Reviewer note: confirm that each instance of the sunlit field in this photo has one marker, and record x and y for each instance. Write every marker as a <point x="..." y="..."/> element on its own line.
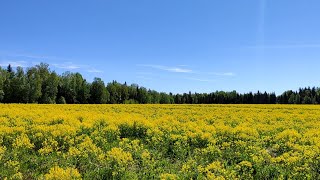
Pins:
<point x="159" y="142"/>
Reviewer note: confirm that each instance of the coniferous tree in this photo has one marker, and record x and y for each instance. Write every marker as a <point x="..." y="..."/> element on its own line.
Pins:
<point x="19" y="87"/>
<point x="2" y="80"/>
<point x="7" y="88"/>
<point x="9" y="69"/>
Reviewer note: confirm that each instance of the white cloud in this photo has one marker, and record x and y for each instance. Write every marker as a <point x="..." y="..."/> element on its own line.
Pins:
<point x="67" y="65"/>
<point x="178" y="70"/>
<point x="93" y="70"/>
<point x="72" y="66"/>
<point x="32" y="60"/>
<point x="38" y="57"/>
<point x="224" y="74"/>
<point x="14" y="63"/>
<point x="182" y="69"/>
<point x="169" y="69"/>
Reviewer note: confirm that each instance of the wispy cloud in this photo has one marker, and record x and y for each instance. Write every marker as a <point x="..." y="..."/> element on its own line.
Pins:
<point x="27" y="60"/>
<point x="177" y="69"/>
<point x="223" y="74"/>
<point x="14" y="63"/>
<point x="66" y="65"/>
<point x="183" y="65"/>
<point x="185" y="69"/>
<point x="71" y="66"/>
<point x="93" y="70"/>
<point x="32" y="56"/>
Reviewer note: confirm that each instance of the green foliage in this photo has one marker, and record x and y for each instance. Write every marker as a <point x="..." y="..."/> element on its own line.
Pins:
<point x="61" y="100"/>
<point x="41" y="85"/>
<point x="1" y="95"/>
<point x="98" y="91"/>
<point x="131" y="101"/>
<point x="2" y="79"/>
<point x="19" y="87"/>
<point x="34" y="84"/>
<point x="307" y="100"/>
<point x="165" y="142"/>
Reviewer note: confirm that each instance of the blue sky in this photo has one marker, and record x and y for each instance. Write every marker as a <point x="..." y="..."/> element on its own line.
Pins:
<point x="169" y="45"/>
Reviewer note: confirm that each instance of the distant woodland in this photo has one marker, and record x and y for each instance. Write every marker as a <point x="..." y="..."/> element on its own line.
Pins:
<point x="39" y="84"/>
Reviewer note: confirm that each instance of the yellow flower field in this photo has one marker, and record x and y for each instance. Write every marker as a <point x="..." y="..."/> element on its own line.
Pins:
<point x="159" y="142"/>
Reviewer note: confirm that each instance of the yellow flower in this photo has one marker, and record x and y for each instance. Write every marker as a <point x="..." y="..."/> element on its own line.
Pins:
<point x="119" y="156"/>
<point x="73" y="151"/>
<point x="167" y="176"/>
<point x="23" y="141"/>
<point x="57" y="173"/>
<point x="246" y="164"/>
<point x="2" y="151"/>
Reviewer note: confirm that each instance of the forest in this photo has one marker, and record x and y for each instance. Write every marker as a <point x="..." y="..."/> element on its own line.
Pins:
<point x="38" y="84"/>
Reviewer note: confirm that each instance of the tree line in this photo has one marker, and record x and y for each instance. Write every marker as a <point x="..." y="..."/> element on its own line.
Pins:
<point x="38" y="84"/>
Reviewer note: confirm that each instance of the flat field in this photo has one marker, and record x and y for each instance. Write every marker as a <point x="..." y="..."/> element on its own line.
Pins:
<point x="159" y="142"/>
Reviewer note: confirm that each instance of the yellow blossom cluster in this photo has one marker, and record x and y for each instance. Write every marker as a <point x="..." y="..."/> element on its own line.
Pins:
<point x="57" y="173"/>
<point x="159" y="141"/>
